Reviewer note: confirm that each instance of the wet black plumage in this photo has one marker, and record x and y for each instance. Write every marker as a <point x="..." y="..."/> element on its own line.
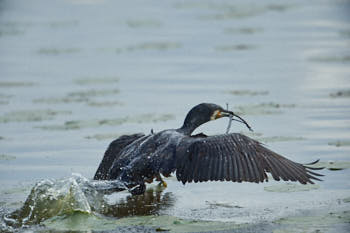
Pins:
<point x="138" y="158"/>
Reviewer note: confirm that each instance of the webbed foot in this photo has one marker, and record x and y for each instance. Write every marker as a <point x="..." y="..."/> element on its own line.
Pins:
<point x="138" y="190"/>
<point x="162" y="182"/>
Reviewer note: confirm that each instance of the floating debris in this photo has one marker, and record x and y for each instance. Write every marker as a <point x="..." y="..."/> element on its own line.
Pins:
<point x="333" y="165"/>
<point x="226" y="48"/>
<point x="103" y="103"/>
<point x="96" y="80"/>
<point x="7" y="157"/>
<point x="63" y="24"/>
<point x="93" y="93"/>
<point x="67" y="99"/>
<point x="8" y="84"/>
<point x="58" y="51"/>
<point x="339" y="143"/>
<point x="322" y="223"/>
<point x="280" y="139"/>
<point x="79" y="124"/>
<point x="156" y="46"/>
<point x="230" y="11"/>
<point x="103" y="136"/>
<point x="344" y="93"/>
<point x="247" y="30"/>
<point x="31" y="115"/>
<point x="335" y="58"/>
<point x="289" y="187"/>
<point x="11" y="32"/>
<point x="82" y="96"/>
<point x="247" y="92"/>
<point x="263" y="108"/>
<point x="146" y="23"/>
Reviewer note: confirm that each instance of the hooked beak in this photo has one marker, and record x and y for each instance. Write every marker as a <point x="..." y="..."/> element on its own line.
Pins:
<point x="226" y="113"/>
<point x="230" y="114"/>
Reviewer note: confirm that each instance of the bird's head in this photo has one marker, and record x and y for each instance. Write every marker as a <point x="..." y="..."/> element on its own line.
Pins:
<point x="205" y="112"/>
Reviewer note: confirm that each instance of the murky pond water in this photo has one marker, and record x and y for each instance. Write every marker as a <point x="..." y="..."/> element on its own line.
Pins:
<point x="76" y="74"/>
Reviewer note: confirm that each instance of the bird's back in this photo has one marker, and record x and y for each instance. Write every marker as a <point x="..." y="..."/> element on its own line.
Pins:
<point x="147" y="157"/>
<point x="113" y="153"/>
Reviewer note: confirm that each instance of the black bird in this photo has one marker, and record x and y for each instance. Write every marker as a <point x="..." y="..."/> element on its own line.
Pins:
<point x="138" y="158"/>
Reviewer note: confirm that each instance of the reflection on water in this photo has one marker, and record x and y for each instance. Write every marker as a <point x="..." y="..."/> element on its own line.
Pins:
<point x="150" y="203"/>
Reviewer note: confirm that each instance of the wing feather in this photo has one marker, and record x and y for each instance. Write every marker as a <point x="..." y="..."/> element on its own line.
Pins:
<point x="236" y="157"/>
<point x="193" y="168"/>
<point x="229" y="175"/>
<point x="222" y="167"/>
<point x="258" y="176"/>
<point x="199" y="165"/>
<point x="235" y="167"/>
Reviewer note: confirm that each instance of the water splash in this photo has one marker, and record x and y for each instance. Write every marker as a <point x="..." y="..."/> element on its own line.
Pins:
<point x="53" y="202"/>
<point x="49" y="198"/>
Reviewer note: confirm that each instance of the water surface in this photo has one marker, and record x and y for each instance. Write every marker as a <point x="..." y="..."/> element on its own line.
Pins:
<point x="76" y="74"/>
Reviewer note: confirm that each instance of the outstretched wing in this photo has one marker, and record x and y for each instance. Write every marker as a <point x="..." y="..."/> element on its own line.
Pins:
<point x="112" y="153"/>
<point x="236" y="157"/>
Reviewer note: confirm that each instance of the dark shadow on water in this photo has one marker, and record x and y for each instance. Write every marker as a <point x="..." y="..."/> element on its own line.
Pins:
<point x="150" y="203"/>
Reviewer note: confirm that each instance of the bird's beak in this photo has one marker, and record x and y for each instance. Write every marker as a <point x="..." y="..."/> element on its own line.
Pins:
<point x="226" y="113"/>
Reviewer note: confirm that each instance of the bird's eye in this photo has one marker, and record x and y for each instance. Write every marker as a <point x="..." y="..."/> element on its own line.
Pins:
<point x="215" y="115"/>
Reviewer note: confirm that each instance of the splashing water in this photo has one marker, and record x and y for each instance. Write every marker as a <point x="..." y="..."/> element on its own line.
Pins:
<point x="49" y="198"/>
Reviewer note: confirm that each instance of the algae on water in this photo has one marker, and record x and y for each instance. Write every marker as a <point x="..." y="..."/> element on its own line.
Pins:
<point x="96" y="80"/>
<point x="103" y="103"/>
<point x="335" y="58"/>
<point x="333" y="165"/>
<point x="339" y="143"/>
<point x="103" y="136"/>
<point x="93" y="93"/>
<point x="243" y="30"/>
<point x="7" y="157"/>
<point x="280" y="139"/>
<point x="31" y="115"/>
<point x="318" y="223"/>
<point x="152" y="46"/>
<point x="58" y="51"/>
<point x="8" y="84"/>
<point x="79" y="124"/>
<point x="263" y="108"/>
<point x="145" y="23"/>
<point x="289" y="187"/>
<point x="83" y="96"/>
<point x="248" y="92"/>
<point x="340" y="94"/>
<point x="238" y="47"/>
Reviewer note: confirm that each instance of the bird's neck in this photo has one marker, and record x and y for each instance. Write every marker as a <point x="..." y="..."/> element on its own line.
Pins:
<point x="192" y="121"/>
<point x="188" y="127"/>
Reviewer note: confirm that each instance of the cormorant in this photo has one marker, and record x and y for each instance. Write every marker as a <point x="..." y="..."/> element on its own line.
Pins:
<point x="138" y="158"/>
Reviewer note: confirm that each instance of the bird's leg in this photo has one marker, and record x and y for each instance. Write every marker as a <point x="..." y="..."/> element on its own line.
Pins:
<point x="138" y="190"/>
<point x="162" y="182"/>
